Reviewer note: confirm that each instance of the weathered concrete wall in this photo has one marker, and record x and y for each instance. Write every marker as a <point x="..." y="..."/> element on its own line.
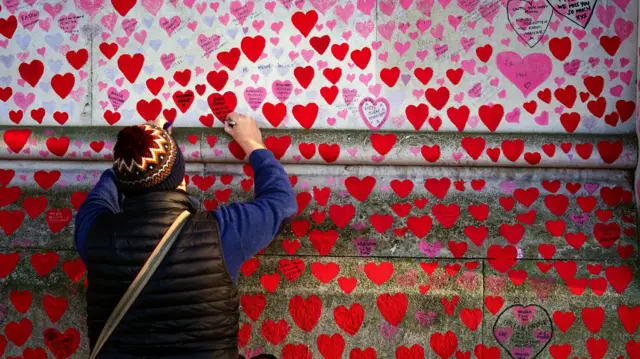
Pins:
<point x="464" y="190"/>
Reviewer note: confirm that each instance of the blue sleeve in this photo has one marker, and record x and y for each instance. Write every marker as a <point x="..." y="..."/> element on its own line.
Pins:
<point x="246" y="228"/>
<point x="104" y="197"/>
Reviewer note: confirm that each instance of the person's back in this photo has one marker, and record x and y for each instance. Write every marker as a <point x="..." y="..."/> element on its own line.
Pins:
<point x="189" y="309"/>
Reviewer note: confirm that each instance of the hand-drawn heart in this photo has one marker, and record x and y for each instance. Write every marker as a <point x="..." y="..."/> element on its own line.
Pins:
<point x="577" y="11"/>
<point x="528" y="72"/>
<point x="374" y="113"/>
<point x="523" y="331"/>
<point x="530" y="19"/>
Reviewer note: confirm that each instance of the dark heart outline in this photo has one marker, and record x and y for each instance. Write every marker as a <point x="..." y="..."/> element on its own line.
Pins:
<point x="593" y="10"/>
<point x="493" y="330"/>
<point x="545" y="29"/>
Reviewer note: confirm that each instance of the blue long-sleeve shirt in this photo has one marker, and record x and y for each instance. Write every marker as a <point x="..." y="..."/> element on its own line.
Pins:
<point x="245" y="228"/>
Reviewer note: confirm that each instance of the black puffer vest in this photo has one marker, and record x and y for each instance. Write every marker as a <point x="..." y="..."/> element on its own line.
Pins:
<point x="189" y="308"/>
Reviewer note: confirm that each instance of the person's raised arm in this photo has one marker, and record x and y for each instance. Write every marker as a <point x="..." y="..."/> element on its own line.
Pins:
<point x="248" y="227"/>
<point x="104" y="197"/>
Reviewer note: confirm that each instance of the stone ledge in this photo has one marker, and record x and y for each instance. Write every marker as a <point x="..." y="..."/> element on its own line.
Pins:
<point x="344" y="148"/>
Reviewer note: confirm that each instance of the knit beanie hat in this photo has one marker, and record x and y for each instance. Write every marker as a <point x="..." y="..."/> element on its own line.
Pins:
<point x="146" y="158"/>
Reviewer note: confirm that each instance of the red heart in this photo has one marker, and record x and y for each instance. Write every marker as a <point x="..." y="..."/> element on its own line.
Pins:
<point x="21" y="300"/>
<point x="6" y="176"/>
<point x="300" y="351"/>
<point x="477" y="234"/>
<point x="229" y="58"/>
<point x="130" y="66"/>
<point x="560" y="351"/>
<point x="610" y="151"/>
<point x="340" y="51"/>
<point x="417" y="115"/>
<point x="8" y="26"/>
<point x="471" y="318"/>
<point x="222" y="105"/>
<point x="111" y="117"/>
<point x="274" y="113"/>
<point x="16" y="139"/>
<point x="329" y="153"/>
<point x="610" y="44"/>
<point x="438" y="187"/>
<point x="321" y="195"/>
<point x="597" y="348"/>
<point x="324" y="272"/>
<point x="570" y="122"/>
<point x="10" y="221"/>
<point x="108" y="49"/>
<point x="183" y="100"/>
<point x="323" y="242"/>
<point x="54" y="307"/>
<point x="444" y="345"/>
<point x="594" y="84"/>
<point x="379" y="273"/>
<point x="567" y="96"/>
<point x="8" y="263"/>
<point x="393" y="308"/>
<point x="182" y="77"/>
<point x="416" y="351"/>
<point x="526" y="196"/>
<point x="275" y="332"/>
<point x="566" y="269"/>
<point x="381" y="222"/>
<point x="360" y="189"/>
<point x="459" y="116"/>
<point x="291" y="269"/>
<point x="420" y="226"/>
<point x="305" y="22"/>
<point x="77" y="198"/>
<point x="253" y="305"/>
<point x="43" y="263"/>
<point x="502" y="258"/>
<point x="277" y="145"/>
<point x="320" y="44"/>
<point x="123" y="6"/>
<point x="58" y="146"/>
<point x="494" y="304"/>
<point x="341" y="215"/>
<point x="512" y="233"/>
<point x="454" y="75"/>
<point x="438" y="98"/>
<point x="304" y="75"/>
<point x="77" y="59"/>
<point x="447" y="215"/>
<point x="305" y="312"/>
<point x="347" y="284"/>
<point x="361" y="57"/>
<point x="8" y="195"/>
<point x="31" y="72"/>
<point x="619" y="277"/>
<point x="149" y="110"/>
<point x="390" y="76"/>
<point x="563" y="320"/>
<point x="357" y="353"/>
<point x="597" y="107"/>
<point x="57" y="219"/>
<point x="576" y="240"/>
<point x="474" y="146"/>
<point x="633" y="349"/>
<point x="331" y="347"/>
<point x="19" y="332"/>
<point x="560" y="47"/>
<point x="423" y="75"/>
<point x="383" y="143"/>
<point x="630" y="318"/>
<point x="305" y="115"/>
<point x="545" y="95"/>
<point x="252" y="47"/>
<point x="74" y="269"/>
<point x="625" y="109"/>
<point x="484" y="52"/>
<point x="512" y="149"/>
<point x="491" y="116"/>
<point x="606" y="234"/>
<point x="485" y="352"/>
<point x="349" y="319"/>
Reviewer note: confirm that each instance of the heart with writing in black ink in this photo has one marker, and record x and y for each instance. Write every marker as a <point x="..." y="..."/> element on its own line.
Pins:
<point x="523" y="331"/>
<point x="529" y="19"/>
<point x="577" y="11"/>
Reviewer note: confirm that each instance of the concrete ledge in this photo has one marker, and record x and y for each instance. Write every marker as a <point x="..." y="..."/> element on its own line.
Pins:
<point x="344" y="147"/>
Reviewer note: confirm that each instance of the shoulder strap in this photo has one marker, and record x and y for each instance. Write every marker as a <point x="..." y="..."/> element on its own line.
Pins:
<point x="140" y="281"/>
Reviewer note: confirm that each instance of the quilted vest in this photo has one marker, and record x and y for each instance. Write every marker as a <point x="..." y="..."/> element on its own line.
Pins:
<point x="189" y="308"/>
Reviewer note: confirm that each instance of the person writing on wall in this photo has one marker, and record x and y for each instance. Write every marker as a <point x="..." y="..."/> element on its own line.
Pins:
<point x="190" y="306"/>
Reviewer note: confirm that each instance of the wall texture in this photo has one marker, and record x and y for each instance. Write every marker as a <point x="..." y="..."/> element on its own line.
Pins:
<point x="464" y="169"/>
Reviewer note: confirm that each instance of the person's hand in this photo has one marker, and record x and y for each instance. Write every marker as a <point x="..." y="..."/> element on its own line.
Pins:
<point x="245" y="131"/>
